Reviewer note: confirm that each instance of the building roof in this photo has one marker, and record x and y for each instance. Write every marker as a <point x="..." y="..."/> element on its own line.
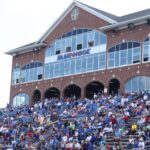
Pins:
<point x="134" y="15"/>
<point x="26" y="48"/>
<point x="113" y="20"/>
<point x="109" y="15"/>
<point x="121" y="18"/>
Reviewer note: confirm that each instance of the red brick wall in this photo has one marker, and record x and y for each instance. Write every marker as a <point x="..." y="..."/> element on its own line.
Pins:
<point x="85" y="20"/>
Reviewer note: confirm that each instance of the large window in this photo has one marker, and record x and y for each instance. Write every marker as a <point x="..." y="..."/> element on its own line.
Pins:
<point x="16" y="75"/>
<point x="20" y="99"/>
<point x="124" y="54"/>
<point x="138" y="83"/>
<point x="32" y="72"/>
<point x="146" y="50"/>
<point x="78" y="51"/>
<point x="77" y="65"/>
<point x="76" y="40"/>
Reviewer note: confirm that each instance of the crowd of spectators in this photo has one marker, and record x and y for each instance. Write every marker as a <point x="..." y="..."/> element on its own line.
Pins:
<point x="77" y="124"/>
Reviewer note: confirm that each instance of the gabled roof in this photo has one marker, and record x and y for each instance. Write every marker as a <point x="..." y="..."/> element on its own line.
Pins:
<point x="134" y="15"/>
<point x="26" y="48"/>
<point x="101" y="14"/>
<point x="112" y="16"/>
<point x="113" y="20"/>
<point x="135" y="18"/>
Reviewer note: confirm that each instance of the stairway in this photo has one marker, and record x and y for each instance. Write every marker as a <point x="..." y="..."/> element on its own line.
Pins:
<point x="123" y="141"/>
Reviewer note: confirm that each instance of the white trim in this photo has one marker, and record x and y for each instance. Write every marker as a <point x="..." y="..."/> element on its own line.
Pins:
<point x="25" y="49"/>
<point x="56" y="22"/>
<point x="71" y="6"/>
<point x="45" y="79"/>
<point x="136" y="20"/>
<point x="96" y="13"/>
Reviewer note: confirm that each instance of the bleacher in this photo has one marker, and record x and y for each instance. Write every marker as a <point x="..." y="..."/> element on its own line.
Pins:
<point x="102" y="122"/>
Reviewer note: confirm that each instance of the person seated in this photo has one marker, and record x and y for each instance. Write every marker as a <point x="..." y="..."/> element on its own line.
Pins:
<point x="108" y="129"/>
<point x="133" y="128"/>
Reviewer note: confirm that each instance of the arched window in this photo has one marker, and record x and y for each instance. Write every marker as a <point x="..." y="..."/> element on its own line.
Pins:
<point x="16" y="75"/>
<point x="20" y="99"/>
<point x="146" y="50"/>
<point x="76" y="40"/>
<point x="137" y="83"/>
<point x="77" y="51"/>
<point x="32" y="72"/>
<point x="124" y="54"/>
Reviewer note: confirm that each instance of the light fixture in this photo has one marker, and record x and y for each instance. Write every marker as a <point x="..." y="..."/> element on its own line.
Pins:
<point x="148" y="21"/>
<point x="115" y="29"/>
<point x="131" y="25"/>
<point x="15" y="54"/>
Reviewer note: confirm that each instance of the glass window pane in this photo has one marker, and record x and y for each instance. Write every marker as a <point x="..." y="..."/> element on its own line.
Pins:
<point x="97" y="38"/>
<point x="89" y="63"/>
<point x="78" y="65"/>
<point x="136" y="44"/>
<point x="20" y="99"/>
<point x="31" y="75"/>
<point x="135" y="84"/>
<point x="129" y="56"/>
<point x="68" y="42"/>
<point x="67" y="68"/>
<point x="85" y="40"/>
<point x="63" y="50"/>
<point x="111" y="59"/>
<point x="79" y="38"/>
<point x="136" y="55"/>
<point x="16" y="75"/>
<point x="95" y="67"/>
<point x="123" y="46"/>
<point x="35" y="76"/>
<point x="73" y="66"/>
<point x="83" y="64"/>
<point x="128" y="86"/>
<point x="103" y="39"/>
<point x="102" y="60"/>
<point x="123" y="57"/>
<point x="62" y="69"/>
<point x="27" y="75"/>
<point x="23" y="76"/>
<point x="148" y="83"/>
<point x="52" y="50"/>
<point x="73" y="43"/>
<point x="57" y="45"/>
<point x="142" y="83"/>
<point x="56" y="70"/>
<point x="46" y="71"/>
<point x="146" y="53"/>
<point x="90" y="37"/>
<point x="51" y="73"/>
<point x="47" y="52"/>
<point x="117" y="58"/>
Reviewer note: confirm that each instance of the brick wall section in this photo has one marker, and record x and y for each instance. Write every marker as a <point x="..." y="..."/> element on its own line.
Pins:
<point x="85" y="20"/>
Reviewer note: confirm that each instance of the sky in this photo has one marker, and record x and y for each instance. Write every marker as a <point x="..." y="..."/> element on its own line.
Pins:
<point x="24" y="21"/>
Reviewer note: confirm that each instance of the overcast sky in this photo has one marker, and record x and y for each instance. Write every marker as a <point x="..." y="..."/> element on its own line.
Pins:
<point x="24" y="21"/>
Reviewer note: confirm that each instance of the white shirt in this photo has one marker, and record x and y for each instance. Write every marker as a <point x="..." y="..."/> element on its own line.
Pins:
<point x="88" y="138"/>
<point x="145" y="97"/>
<point x="64" y="138"/>
<point x="77" y="145"/>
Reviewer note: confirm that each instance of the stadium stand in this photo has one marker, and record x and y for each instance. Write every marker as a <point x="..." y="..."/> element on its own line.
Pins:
<point x="103" y="123"/>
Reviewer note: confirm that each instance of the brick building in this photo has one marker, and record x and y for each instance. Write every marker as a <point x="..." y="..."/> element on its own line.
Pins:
<point x="85" y="51"/>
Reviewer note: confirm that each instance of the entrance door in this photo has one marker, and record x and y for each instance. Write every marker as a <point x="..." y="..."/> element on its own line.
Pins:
<point x="52" y="93"/>
<point x="114" y="86"/>
<point x="72" y="90"/>
<point x="93" y="87"/>
<point x="36" y="96"/>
